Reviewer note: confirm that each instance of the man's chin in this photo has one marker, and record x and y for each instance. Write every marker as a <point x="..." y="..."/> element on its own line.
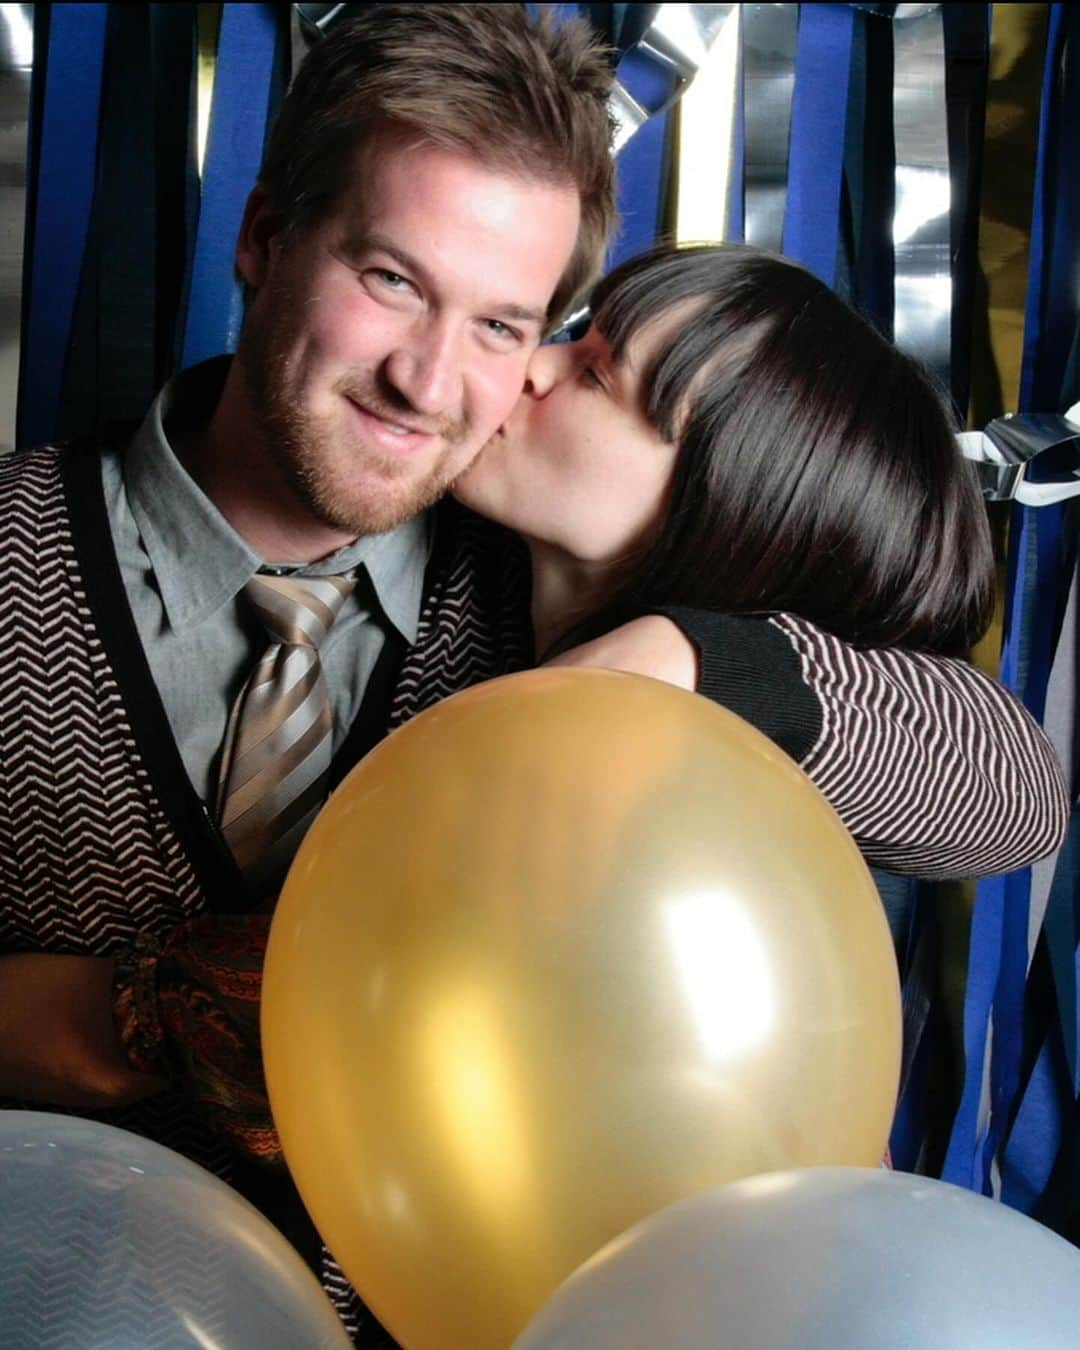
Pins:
<point x="380" y="510"/>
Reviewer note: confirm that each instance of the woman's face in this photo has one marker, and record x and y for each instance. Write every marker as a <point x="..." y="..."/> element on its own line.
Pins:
<point x="577" y="465"/>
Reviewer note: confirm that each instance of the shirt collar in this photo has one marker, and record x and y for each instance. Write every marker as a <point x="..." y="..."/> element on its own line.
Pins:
<point x="200" y="562"/>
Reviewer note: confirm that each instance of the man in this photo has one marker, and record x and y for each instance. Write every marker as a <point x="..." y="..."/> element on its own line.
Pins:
<point x="436" y="192"/>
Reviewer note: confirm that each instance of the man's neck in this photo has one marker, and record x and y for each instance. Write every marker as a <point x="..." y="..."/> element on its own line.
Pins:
<point x="231" y="464"/>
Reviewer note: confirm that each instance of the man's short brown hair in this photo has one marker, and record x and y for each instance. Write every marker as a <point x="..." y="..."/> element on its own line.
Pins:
<point x="522" y="97"/>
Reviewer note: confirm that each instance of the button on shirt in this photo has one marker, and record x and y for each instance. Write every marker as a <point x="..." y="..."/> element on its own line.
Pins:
<point x="184" y="568"/>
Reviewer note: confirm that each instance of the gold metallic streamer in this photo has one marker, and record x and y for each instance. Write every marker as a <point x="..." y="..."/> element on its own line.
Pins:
<point x="208" y="20"/>
<point x="1017" y="47"/>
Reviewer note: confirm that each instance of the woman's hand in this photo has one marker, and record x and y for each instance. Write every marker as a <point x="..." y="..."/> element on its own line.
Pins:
<point x="652" y="645"/>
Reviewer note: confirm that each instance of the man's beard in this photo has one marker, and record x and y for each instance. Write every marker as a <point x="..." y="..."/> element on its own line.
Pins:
<point x="302" y="446"/>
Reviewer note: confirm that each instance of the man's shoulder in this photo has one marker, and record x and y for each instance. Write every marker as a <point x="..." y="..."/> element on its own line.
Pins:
<point x="55" y="490"/>
<point x="34" y="469"/>
<point x="49" y="464"/>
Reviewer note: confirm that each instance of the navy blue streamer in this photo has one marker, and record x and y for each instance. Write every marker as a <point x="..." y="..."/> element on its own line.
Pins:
<point x="818" y="131"/>
<point x="247" y="51"/>
<point x="63" y="159"/>
<point x="643" y="167"/>
<point x="121" y="346"/>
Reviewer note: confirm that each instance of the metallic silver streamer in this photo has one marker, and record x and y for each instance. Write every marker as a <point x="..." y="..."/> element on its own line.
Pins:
<point x="1031" y="458"/>
<point x="769" y="38"/>
<point x="317" y="19"/>
<point x="681" y="35"/>
<point x="923" y="306"/>
<point x="898" y="11"/>
<point x="16" y="61"/>
<point x="627" y="114"/>
<point x="308" y="24"/>
<point x="679" y="38"/>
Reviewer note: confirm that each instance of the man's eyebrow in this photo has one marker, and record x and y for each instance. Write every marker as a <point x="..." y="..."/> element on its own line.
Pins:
<point x="365" y="243"/>
<point x="523" y="313"/>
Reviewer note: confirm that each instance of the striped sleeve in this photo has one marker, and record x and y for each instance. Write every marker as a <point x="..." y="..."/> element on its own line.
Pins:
<point x="935" y="768"/>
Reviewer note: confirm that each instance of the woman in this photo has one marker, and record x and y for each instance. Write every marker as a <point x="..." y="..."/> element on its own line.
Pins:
<point x="729" y="435"/>
<point x="730" y="439"/>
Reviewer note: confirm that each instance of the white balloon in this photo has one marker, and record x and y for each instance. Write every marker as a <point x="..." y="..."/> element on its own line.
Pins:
<point x="822" y="1258"/>
<point x="111" y="1242"/>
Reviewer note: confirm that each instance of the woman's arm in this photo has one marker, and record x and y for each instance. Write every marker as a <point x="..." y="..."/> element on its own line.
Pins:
<point x="935" y="768"/>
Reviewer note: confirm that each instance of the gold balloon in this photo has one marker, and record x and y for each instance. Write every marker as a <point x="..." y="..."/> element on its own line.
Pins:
<point x="566" y="948"/>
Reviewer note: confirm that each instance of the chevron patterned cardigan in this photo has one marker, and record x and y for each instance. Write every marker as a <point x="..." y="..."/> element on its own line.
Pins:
<point x="101" y="835"/>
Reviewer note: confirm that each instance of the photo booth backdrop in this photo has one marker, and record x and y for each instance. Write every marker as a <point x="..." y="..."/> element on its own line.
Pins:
<point x="922" y="159"/>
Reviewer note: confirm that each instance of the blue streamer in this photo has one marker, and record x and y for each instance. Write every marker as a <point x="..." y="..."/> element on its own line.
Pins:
<point x="964" y="1158"/>
<point x="64" y="169"/>
<point x="642" y="167"/>
<point x="238" y="116"/>
<point x="1039" y="1129"/>
<point x="1037" y="579"/>
<point x="1052" y="323"/>
<point x="1054" y="288"/>
<point x="737" y="216"/>
<point x="818" y="133"/>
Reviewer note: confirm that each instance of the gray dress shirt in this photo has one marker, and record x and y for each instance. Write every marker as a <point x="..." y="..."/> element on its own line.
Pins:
<point x="184" y="567"/>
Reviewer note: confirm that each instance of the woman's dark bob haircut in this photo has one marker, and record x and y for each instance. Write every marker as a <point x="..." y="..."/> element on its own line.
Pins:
<point x="817" y="472"/>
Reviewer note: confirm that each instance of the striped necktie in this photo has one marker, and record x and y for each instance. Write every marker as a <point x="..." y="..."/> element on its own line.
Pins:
<point x="275" y="761"/>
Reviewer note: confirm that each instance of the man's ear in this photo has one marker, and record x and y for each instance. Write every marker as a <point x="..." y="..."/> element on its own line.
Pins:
<point x="254" y="244"/>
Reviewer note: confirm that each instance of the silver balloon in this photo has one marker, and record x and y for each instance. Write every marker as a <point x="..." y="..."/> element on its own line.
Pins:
<point x="110" y="1242"/>
<point x="818" y="1259"/>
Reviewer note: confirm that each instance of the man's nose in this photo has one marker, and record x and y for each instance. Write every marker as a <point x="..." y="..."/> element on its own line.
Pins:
<point x="426" y="370"/>
<point x="549" y="366"/>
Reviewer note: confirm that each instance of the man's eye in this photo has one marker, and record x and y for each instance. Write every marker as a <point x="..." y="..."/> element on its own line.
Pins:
<point x="501" y="330"/>
<point x="391" y="279"/>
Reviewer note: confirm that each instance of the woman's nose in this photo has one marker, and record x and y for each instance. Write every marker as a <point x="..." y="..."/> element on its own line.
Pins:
<point x="549" y="366"/>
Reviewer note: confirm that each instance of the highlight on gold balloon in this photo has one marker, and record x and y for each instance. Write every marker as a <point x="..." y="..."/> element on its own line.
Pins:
<point x="613" y="951"/>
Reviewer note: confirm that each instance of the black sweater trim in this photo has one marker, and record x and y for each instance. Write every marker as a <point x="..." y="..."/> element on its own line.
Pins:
<point x="221" y="880"/>
<point x="749" y="665"/>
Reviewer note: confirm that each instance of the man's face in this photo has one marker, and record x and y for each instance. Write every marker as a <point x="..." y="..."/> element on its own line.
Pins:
<point x="386" y="344"/>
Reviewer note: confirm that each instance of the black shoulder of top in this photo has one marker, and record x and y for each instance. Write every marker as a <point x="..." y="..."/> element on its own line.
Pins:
<point x="750" y="667"/>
